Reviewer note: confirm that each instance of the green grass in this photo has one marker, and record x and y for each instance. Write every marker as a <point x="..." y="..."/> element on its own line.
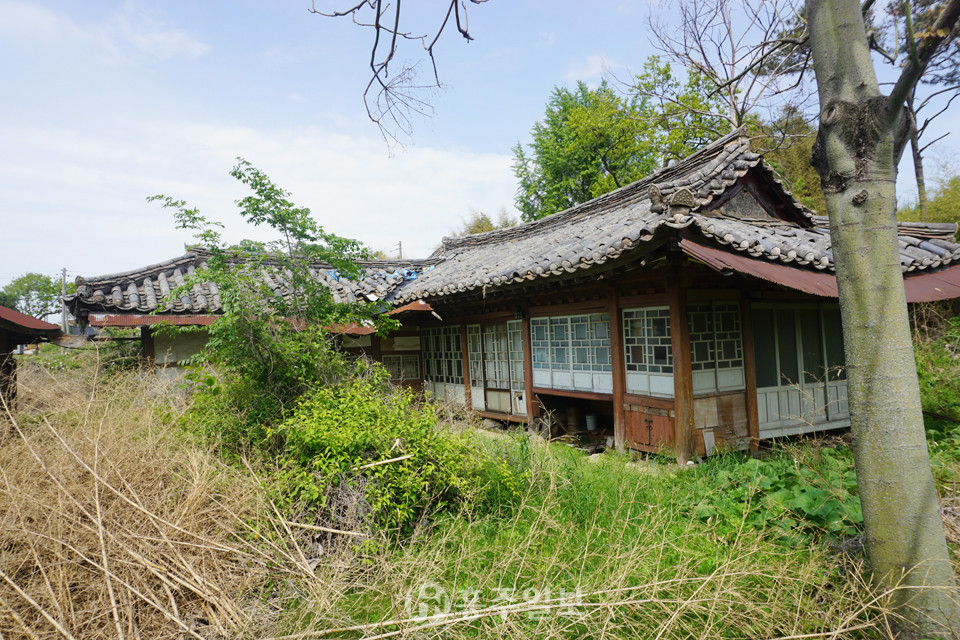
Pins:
<point x="605" y="547"/>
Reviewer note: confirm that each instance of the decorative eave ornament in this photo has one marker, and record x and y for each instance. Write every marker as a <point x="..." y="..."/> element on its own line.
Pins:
<point x="681" y="203"/>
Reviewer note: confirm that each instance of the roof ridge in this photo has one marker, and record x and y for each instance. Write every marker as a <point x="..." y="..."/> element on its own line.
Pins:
<point x="187" y="257"/>
<point x="635" y="191"/>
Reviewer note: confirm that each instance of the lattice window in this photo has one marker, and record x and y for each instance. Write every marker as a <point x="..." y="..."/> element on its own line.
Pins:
<point x="540" y="342"/>
<point x="590" y="342"/>
<point x="646" y="340"/>
<point x="573" y="352"/>
<point x="496" y="356"/>
<point x="515" y="340"/>
<point x="716" y="346"/>
<point x="442" y="355"/>
<point x="475" y="355"/>
<point x="402" y="366"/>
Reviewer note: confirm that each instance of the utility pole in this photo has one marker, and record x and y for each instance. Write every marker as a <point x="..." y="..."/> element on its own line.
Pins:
<point x="400" y="250"/>
<point x="63" y="305"/>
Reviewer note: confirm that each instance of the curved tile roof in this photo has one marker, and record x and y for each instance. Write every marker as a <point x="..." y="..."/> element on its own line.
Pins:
<point x="701" y="193"/>
<point x="146" y="290"/>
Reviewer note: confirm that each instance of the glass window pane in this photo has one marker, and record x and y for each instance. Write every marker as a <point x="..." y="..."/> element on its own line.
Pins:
<point x="787" y="343"/>
<point x="765" y="347"/>
<point x="833" y="337"/>
<point x="811" y="347"/>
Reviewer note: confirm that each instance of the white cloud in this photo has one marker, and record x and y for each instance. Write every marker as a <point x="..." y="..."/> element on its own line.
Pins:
<point x="122" y="36"/>
<point x="151" y="36"/>
<point x="82" y="192"/>
<point x="590" y="69"/>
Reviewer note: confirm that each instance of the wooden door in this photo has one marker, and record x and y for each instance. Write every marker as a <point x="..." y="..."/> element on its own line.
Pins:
<point x="647" y="427"/>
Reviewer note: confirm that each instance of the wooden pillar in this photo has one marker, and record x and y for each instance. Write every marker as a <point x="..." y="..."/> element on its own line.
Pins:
<point x="465" y="355"/>
<point x="8" y="378"/>
<point x="682" y="369"/>
<point x="618" y="362"/>
<point x="375" y="348"/>
<point x="533" y="407"/>
<point x="750" y="373"/>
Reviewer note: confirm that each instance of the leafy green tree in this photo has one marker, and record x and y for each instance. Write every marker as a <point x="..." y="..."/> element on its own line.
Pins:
<point x="589" y="142"/>
<point x="271" y="344"/>
<point x="592" y="141"/>
<point x="7" y="300"/>
<point x="682" y="115"/>
<point x="943" y="205"/>
<point x="34" y="294"/>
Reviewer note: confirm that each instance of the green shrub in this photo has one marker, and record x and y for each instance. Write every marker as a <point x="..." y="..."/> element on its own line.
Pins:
<point x="938" y="370"/>
<point x="367" y="441"/>
<point x="804" y="495"/>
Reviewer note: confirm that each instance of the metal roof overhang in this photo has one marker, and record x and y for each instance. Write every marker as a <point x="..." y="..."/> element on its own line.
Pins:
<point x="23" y="329"/>
<point x="926" y="286"/>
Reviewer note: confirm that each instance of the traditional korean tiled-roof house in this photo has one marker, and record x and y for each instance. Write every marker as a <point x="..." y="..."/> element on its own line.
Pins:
<point x="693" y="307"/>
<point x="15" y="329"/>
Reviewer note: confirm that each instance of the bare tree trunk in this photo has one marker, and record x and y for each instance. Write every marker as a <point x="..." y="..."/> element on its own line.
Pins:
<point x="856" y="156"/>
<point x="917" y="153"/>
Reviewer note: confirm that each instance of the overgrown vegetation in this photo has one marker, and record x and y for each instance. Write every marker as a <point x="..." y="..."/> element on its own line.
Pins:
<point x="114" y="526"/>
<point x="501" y="535"/>
<point x="294" y="493"/>
<point x="363" y="454"/>
<point x="271" y="344"/>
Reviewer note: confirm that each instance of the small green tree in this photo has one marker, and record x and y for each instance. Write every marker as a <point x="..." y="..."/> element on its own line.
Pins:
<point x="271" y="344"/>
<point x="480" y="222"/>
<point x="34" y="294"/>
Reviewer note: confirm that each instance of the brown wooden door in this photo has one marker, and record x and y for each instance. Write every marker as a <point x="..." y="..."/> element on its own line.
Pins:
<point x="648" y="428"/>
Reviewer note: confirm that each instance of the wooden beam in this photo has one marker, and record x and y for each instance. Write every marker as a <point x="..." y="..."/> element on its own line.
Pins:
<point x="682" y="368"/>
<point x="533" y="407"/>
<point x="465" y="355"/>
<point x="619" y="369"/>
<point x="567" y="393"/>
<point x="750" y="373"/>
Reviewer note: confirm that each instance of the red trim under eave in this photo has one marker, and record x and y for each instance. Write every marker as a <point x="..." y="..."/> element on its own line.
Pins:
<point x="149" y="321"/>
<point x="925" y="286"/>
<point x="352" y="329"/>
<point x="416" y="305"/>
<point x="206" y="320"/>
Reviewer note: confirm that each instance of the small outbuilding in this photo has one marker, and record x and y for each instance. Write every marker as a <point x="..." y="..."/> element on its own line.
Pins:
<point x="15" y="329"/>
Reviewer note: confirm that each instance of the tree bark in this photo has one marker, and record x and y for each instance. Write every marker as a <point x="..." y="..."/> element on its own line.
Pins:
<point x="917" y="154"/>
<point x="856" y="155"/>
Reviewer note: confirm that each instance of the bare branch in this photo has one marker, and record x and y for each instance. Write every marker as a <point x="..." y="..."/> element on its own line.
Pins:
<point x="391" y="101"/>
<point x="933" y="38"/>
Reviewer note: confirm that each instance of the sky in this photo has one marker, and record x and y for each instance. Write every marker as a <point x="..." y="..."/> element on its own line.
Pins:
<point x="106" y="102"/>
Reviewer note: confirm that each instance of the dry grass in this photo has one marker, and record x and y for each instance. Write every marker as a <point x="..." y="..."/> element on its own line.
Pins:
<point x="113" y="524"/>
<point x="112" y="527"/>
